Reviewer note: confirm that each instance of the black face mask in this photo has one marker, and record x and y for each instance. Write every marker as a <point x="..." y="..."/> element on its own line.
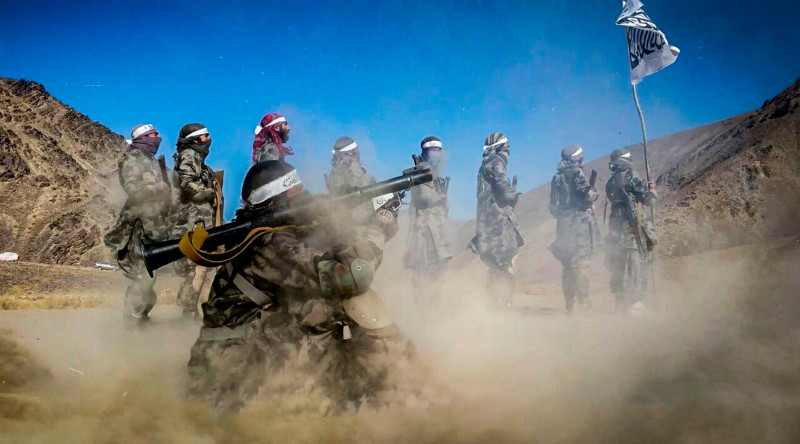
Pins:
<point x="148" y="144"/>
<point x="202" y="147"/>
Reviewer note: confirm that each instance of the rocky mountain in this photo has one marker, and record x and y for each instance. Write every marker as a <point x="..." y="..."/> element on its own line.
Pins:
<point x="729" y="183"/>
<point x="55" y="202"/>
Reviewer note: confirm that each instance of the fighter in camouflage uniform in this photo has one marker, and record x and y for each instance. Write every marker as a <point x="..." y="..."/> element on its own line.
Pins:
<point x="287" y="321"/>
<point x="427" y="251"/>
<point x="571" y="203"/>
<point x="194" y="181"/>
<point x="348" y="173"/>
<point x="498" y="238"/>
<point x="626" y="190"/>
<point x="144" y="215"/>
<point x="271" y="134"/>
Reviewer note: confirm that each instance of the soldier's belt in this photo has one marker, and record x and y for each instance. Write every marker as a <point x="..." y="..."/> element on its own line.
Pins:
<point x="192" y="242"/>
<point x="222" y="333"/>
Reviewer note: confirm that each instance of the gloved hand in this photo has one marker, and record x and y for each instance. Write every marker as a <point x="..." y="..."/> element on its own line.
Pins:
<point x="204" y="196"/>
<point x="386" y="221"/>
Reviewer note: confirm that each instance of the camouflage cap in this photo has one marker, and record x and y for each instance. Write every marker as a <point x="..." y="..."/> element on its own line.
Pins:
<point x="192" y="130"/>
<point x="344" y="144"/>
<point x="431" y="142"/>
<point x="494" y="141"/>
<point x="572" y="152"/>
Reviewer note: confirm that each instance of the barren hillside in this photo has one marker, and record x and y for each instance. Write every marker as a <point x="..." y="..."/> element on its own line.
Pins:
<point x="55" y="203"/>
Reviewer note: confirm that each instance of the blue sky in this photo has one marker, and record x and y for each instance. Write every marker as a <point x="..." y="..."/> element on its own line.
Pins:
<point x="547" y="74"/>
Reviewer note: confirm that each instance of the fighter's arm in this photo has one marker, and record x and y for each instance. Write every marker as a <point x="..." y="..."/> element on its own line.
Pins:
<point x="641" y="191"/>
<point x="581" y="185"/>
<point x="504" y="193"/>
<point x="189" y="169"/>
<point x="139" y="179"/>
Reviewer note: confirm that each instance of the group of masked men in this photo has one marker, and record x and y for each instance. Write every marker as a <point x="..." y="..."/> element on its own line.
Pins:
<point x="631" y="235"/>
<point x="293" y="314"/>
<point x="158" y="207"/>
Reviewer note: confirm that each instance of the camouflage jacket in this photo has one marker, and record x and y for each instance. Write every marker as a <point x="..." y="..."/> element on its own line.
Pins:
<point x="149" y="199"/>
<point x="498" y="237"/>
<point x="347" y="172"/>
<point x="296" y="276"/>
<point x="191" y="178"/>
<point x="427" y="243"/>
<point x="268" y="151"/>
<point x="569" y="189"/>
<point x="577" y="233"/>
<point x="620" y="227"/>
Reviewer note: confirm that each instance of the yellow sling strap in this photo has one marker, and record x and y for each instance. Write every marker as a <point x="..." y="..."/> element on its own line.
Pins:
<point x="192" y="241"/>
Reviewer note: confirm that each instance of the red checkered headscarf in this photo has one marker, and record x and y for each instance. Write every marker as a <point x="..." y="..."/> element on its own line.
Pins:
<point x="269" y="133"/>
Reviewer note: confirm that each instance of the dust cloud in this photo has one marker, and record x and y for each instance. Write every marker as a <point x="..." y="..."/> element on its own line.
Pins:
<point x="718" y="363"/>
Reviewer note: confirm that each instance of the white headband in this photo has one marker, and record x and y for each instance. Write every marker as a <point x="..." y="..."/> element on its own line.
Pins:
<point x="350" y="147"/>
<point x="274" y="188"/>
<point x="432" y="144"/>
<point x="626" y="155"/>
<point x="274" y="122"/>
<point x="499" y="142"/>
<point x="141" y="130"/>
<point x="580" y="151"/>
<point x="199" y="132"/>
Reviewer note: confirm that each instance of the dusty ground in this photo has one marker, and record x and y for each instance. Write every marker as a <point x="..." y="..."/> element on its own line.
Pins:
<point x="719" y="363"/>
<point x="27" y="285"/>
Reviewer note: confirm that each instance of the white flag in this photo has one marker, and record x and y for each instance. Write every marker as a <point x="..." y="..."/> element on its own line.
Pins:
<point x="648" y="49"/>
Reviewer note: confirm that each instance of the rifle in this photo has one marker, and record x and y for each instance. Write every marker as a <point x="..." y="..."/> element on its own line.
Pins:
<point x="593" y="179"/>
<point x="629" y="210"/>
<point x="162" y="164"/>
<point x="219" y="177"/>
<point x="157" y="254"/>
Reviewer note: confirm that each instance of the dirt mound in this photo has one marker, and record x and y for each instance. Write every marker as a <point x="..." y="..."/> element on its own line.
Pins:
<point x="17" y="367"/>
<point x="51" y="160"/>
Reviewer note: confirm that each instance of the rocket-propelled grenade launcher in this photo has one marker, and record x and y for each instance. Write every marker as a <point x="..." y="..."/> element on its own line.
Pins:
<point x="236" y="233"/>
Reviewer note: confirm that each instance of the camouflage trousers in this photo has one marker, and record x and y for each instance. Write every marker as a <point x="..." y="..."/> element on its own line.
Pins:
<point x="278" y="361"/>
<point x="574" y="281"/>
<point x="194" y="277"/>
<point x="629" y="278"/>
<point x="190" y="216"/>
<point x="500" y="286"/>
<point x="140" y="297"/>
<point x="229" y="373"/>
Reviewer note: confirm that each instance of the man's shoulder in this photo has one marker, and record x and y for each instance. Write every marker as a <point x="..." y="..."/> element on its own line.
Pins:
<point x="135" y="156"/>
<point x="268" y="145"/>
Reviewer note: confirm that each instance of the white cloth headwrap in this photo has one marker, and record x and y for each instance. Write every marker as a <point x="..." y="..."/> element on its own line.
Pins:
<point x="499" y="142"/>
<point x="626" y="155"/>
<point x="274" y="122"/>
<point x="141" y="130"/>
<point x="580" y="151"/>
<point x="272" y="189"/>
<point x="350" y="147"/>
<point x="432" y="144"/>
<point x="199" y="132"/>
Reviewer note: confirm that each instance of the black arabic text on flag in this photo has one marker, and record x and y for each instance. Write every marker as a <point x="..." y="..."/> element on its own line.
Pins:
<point x="648" y="49"/>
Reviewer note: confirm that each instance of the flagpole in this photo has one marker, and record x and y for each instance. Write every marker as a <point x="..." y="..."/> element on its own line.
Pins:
<point x="644" y="131"/>
<point x="647" y="173"/>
